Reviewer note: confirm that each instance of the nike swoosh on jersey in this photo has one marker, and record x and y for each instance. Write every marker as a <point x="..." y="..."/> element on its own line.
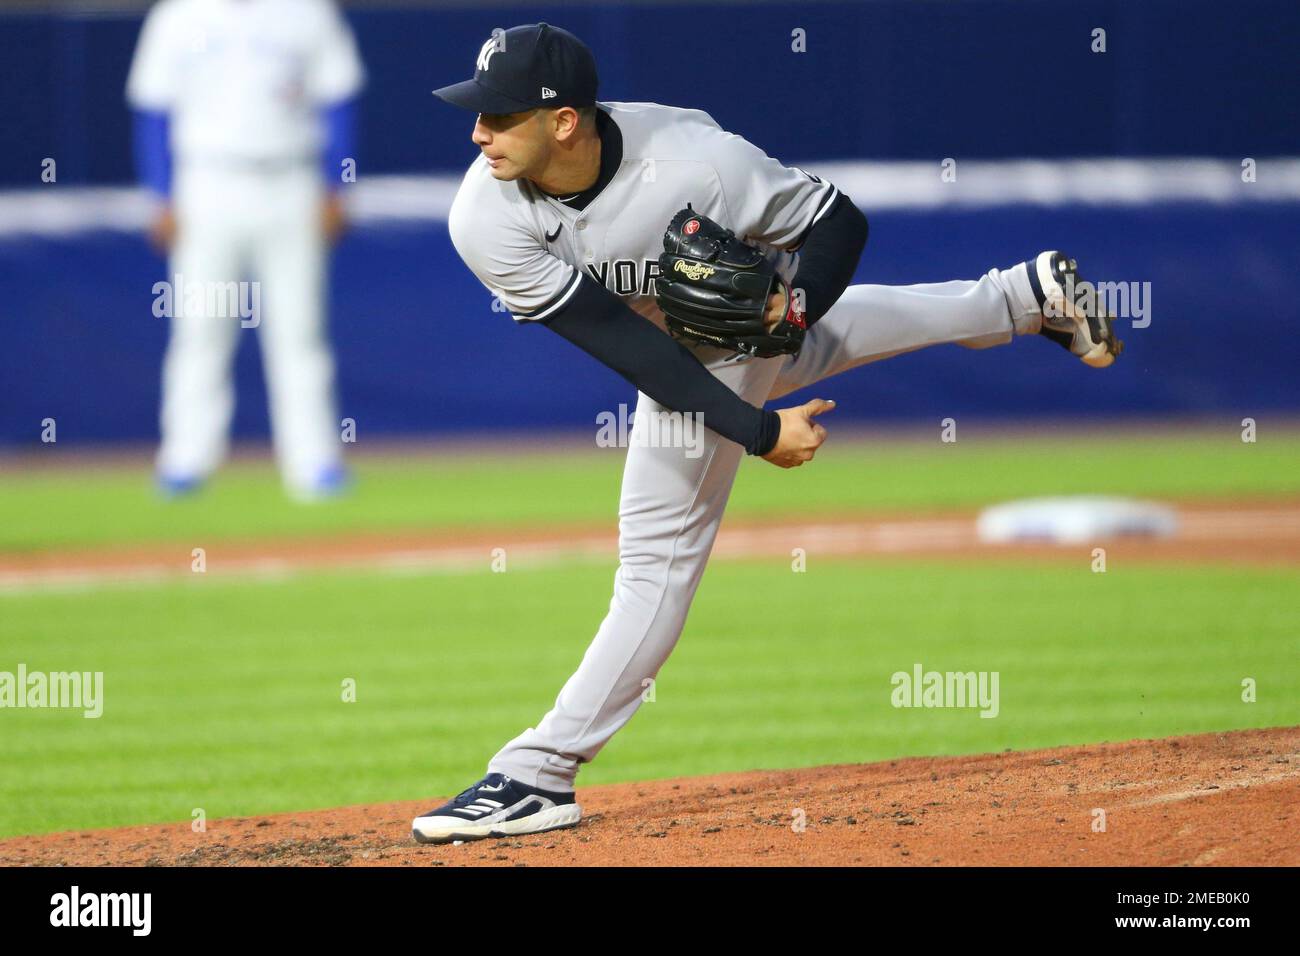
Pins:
<point x="551" y="237"/>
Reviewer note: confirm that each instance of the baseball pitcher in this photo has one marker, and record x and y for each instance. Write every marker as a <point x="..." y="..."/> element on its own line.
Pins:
<point x="714" y="279"/>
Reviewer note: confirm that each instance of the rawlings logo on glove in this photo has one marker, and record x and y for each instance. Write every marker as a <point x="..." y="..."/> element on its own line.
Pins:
<point x="695" y="271"/>
<point x="714" y="288"/>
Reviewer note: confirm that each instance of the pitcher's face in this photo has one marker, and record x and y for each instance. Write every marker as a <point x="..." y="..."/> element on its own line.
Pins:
<point x="515" y="144"/>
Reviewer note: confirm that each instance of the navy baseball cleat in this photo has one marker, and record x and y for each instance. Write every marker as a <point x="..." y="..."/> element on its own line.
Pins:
<point x="497" y="806"/>
<point x="1073" y="314"/>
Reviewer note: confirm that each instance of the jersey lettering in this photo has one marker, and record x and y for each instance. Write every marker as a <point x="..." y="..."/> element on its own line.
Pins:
<point x="625" y="279"/>
<point x="629" y="277"/>
<point x="648" y="283"/>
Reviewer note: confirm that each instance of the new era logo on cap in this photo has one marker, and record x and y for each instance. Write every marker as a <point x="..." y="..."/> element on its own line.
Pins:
<point x="538" y="65"/>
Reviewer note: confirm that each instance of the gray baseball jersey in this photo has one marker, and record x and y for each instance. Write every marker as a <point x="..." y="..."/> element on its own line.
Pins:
<point x="530" y="249"/>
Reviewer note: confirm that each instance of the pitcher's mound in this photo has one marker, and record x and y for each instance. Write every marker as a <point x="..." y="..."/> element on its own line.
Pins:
<point x="1220" y="799"/>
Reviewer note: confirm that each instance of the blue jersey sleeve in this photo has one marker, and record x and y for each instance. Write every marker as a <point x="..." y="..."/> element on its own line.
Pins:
<point x="153" y="155"/>
<point x="340" y="140"/>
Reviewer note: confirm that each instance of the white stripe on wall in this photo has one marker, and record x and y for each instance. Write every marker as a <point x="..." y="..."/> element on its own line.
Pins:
<point x="1124" y="182"/>
<point x="54" y="210"/>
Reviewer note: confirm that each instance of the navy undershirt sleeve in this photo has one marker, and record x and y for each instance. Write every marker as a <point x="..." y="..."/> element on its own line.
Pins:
<point x="599" y="323"/>
<point x="829" y="257"/>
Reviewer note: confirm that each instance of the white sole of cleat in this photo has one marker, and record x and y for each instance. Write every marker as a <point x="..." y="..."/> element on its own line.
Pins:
<point x="448" y="829"/>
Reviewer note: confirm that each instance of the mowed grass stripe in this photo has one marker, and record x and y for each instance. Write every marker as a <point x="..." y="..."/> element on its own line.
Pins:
<point x="226" y="696"/>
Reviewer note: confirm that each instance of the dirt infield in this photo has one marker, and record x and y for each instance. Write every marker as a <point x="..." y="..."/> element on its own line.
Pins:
<point x="1229" y="799"/>
<point x="1254" y="533"/>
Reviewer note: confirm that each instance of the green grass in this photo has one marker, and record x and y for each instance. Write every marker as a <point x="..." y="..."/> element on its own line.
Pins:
<point x="226" y="695"/>
<point x="80" y="508"/>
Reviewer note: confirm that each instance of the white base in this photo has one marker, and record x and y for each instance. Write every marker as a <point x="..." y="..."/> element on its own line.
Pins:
<point x="1080" y="519"/>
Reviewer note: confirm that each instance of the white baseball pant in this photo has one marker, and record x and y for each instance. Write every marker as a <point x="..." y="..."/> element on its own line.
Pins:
<point x="261" y="226"/>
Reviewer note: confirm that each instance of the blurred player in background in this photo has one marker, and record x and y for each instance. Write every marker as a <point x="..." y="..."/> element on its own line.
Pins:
<point x="244" y="126"/>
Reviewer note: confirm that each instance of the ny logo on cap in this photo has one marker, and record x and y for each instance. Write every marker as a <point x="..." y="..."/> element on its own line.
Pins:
<point x="495" y="45"/>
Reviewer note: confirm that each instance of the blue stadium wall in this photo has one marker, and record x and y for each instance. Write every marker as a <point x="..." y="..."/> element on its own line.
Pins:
<point x="890" y="79"/>
<point x="420" y="351"/>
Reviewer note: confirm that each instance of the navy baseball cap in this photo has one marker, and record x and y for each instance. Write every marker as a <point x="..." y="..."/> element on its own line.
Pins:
<point x="526" y="67"/>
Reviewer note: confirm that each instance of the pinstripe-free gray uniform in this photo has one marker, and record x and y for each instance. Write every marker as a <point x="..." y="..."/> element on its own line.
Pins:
<point x="530" y="249"/>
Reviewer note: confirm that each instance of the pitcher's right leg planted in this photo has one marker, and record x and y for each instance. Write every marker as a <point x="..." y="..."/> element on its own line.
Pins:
<point x="671" y="506"/>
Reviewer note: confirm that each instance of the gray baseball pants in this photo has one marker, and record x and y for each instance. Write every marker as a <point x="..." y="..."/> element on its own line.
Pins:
<point x="672" y="502"/>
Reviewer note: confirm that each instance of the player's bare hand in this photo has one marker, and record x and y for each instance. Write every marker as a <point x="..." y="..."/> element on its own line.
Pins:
<point x="333" y="218"/>
<point x="776" y="304"/>
<point x="800" y="435"/>
<point x="162" y="231"/>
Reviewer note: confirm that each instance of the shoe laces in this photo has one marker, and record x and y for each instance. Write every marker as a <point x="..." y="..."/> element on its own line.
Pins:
<point x="470" y="795"/>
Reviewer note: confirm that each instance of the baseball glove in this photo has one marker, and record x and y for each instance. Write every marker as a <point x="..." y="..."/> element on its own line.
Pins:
<point x="713" y="288"/>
